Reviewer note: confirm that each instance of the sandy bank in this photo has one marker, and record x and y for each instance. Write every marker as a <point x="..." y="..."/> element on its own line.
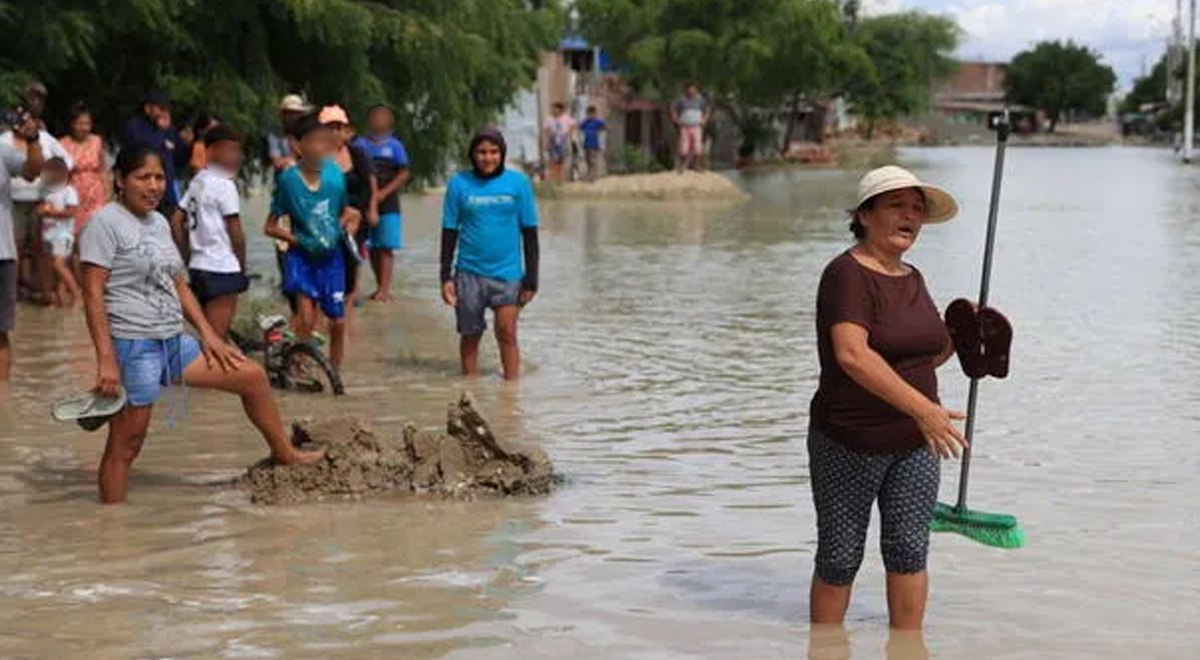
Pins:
<point x="663" y="185"/>
<point x="465" y="461"/>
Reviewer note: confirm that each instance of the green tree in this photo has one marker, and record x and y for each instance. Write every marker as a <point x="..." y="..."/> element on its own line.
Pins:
<point x="1055" y="77"/>
<point x="1151" y="88"/>
<point x="753" y="59"/>
<point x="444" y="66"/>
<point x="907" y="54"/>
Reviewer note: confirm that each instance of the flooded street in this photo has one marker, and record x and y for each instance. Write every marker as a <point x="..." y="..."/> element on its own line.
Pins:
<point x="670" y="360"/>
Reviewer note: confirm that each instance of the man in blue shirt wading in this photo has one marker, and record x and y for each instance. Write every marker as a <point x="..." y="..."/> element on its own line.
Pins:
<point x="489" y="214"/>
<point x="312" y="195"/>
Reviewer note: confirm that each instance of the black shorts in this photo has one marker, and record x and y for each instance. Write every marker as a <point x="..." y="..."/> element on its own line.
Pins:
<point x="208" y="286"/>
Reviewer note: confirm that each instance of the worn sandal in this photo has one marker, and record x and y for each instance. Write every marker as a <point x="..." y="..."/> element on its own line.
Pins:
<point x="963" y="323"/>
<point x="89" y="410"/>
<point x="997" y="334"/>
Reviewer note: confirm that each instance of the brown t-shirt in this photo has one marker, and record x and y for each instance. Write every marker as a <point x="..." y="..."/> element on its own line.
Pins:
<point x="903" y="326"/>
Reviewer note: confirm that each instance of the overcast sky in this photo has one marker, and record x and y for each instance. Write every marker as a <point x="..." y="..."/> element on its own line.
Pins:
<point x="1125" y="32"/>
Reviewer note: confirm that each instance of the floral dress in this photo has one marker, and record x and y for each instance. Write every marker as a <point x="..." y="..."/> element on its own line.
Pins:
<point x="88" y="177"/>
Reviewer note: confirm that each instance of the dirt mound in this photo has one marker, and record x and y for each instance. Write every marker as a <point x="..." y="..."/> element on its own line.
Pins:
<point x="466" y="461"/>
<point x="687" y="185"/>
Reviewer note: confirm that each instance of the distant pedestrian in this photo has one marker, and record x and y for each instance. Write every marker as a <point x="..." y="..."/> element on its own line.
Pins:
<point x="207" y="229"/>
<point x="57" y="213"/>
<point x="15" y="161"/>
<point x="490" y="217"/>
<point x="281" y="146"/>
<point x="690" y="115"/>
<point x="91" y="176"/>
<point x="282" y="150"/>
<point x="558" y="132"/>
<point x="153" y="126"/>
<point x="391" y="171"/>
<point x="27" y="195"/>
<point x="35" y="102"/>
<point x="362" y="190"/>
<point x="593" y="128"/>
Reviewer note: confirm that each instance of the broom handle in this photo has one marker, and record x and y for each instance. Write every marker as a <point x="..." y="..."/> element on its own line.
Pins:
<point x="1002" y="129"/>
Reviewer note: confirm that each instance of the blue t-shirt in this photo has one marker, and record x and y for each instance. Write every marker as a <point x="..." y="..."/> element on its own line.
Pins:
<point x="389" y="157"/>
<point x="592" y="128"/>
<point x="489" y="215"/>
<point x="315" y="214"/>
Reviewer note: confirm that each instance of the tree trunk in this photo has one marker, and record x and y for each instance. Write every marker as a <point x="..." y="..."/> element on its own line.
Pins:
<point x="791" y="125"/>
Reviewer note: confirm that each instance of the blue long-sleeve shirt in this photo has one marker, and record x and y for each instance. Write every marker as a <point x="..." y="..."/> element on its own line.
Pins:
<point x="170" y="147"/>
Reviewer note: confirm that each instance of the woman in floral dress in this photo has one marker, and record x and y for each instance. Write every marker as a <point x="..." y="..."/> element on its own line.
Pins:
<point x="90" y="176"/>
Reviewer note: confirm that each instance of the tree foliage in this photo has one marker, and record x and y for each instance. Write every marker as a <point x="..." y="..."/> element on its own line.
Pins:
<point x="758" y="59"/>
<point x="444" y="66"/>
<point x="1151" y="88"/>
<point x="908" y="53"/>
<point x="1055" y="77"/>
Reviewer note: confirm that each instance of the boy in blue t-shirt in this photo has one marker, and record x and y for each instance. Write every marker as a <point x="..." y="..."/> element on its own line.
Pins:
<point x="391" y="169"/>
<point x="592" y="128"/>
<point x="489" y="215"/>
<point x="312" y="195"/>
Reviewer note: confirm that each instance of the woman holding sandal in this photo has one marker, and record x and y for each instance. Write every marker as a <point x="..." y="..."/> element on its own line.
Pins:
<point x="877" y="427"/>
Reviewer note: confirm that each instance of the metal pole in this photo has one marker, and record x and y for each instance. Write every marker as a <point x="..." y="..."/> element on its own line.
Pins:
<point x="1189" y="113"/>
<point x="1002" y="130"/>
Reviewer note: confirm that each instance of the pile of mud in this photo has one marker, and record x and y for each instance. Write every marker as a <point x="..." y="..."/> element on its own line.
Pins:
<point x="687" y="185"/>
<point x="467" y="461"/>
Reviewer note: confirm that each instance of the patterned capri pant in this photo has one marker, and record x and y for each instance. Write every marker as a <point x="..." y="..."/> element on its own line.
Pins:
<point x="846" y="484"/>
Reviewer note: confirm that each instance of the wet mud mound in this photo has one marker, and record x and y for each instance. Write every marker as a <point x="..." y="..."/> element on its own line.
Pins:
<point x="466" y="461"/>
<point x="663" y="186"/>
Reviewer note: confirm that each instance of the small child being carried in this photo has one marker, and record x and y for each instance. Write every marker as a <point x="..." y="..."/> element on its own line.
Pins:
<point x="58" y="229"/>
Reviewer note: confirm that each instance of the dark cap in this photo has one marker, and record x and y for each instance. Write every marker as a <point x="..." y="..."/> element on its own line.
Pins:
<point x="156" y="97"/>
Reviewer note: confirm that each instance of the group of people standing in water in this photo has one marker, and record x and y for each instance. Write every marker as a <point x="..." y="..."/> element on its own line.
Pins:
<point x="158" y="254"/>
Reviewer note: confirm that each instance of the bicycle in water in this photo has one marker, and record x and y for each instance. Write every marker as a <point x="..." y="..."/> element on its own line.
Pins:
<point x="291" y="364"/>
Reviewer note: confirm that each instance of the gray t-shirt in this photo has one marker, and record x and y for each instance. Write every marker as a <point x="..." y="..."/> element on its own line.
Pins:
<point x="143" y="262"/>
<point x="691" y="111"/>
<point x="11" y="163"/>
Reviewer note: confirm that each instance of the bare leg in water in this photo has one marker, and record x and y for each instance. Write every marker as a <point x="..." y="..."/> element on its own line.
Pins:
<point x="468" y="351"/>
<point x="506" y="338"/>
<point x="907" y="594"/>
<point x="250" y="383"/>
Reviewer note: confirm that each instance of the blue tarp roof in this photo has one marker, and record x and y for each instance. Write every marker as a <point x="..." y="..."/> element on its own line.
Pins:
<point x="574" y="43"/>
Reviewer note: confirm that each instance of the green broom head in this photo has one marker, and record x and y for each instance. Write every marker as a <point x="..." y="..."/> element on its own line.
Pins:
<point x="995" y="529"/>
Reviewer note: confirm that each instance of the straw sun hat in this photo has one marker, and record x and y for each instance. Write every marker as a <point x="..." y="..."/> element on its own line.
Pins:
<point x="940" y="205"/>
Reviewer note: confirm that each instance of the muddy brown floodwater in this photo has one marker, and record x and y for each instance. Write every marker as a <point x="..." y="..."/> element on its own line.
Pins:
<point x="670" y="358"/>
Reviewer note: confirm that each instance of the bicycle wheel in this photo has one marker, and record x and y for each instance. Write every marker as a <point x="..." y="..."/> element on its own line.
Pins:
<point x="307" y="369"/>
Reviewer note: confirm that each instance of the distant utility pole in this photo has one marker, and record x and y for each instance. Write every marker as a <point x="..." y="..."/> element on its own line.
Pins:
<point x="1189" y="114"/>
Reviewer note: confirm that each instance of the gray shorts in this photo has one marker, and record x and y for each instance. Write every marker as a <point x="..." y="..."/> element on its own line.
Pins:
<point x="476" y="295"/>
<point x="8" y="295"/>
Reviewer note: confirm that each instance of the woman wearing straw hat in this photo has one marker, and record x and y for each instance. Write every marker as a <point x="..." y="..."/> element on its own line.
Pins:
<point x="877" y="427"/>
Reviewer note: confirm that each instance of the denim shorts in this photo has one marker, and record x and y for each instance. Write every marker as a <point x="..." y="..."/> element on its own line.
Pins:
<point x="148" y="365"/>
<point x="476" y="295"/>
